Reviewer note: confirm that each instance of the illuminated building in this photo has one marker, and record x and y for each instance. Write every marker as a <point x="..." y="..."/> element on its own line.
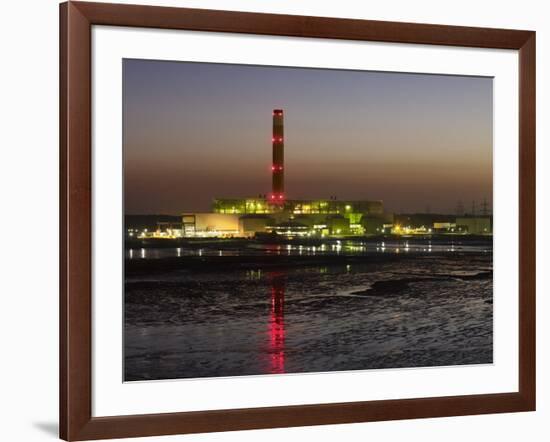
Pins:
<point x="297" y="207"/>
<point x="211" y="224"/>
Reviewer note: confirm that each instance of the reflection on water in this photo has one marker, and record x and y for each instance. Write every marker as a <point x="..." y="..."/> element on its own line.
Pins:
<point x="353" y="247"/>
<point x="277" y="322"/>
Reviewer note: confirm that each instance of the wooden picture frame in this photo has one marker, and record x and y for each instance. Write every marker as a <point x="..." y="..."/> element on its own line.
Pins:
<point x="76" y="21"/>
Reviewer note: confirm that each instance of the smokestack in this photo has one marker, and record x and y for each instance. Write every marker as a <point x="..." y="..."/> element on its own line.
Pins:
<point x="277" y="166"/>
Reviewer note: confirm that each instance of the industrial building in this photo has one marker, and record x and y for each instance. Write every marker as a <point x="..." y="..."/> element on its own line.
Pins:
<point x="274" y="213"/>
<point x="475" y="225"/>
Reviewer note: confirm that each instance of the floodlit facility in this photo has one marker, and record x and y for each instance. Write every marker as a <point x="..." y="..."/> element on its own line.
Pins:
<point x="274" y="213"/>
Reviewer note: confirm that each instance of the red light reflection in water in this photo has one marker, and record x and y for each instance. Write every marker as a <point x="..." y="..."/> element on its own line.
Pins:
<point x="276" y="323"/>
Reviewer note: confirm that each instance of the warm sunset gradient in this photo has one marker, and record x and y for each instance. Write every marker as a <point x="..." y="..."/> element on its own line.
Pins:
<point x="195" y="131"/>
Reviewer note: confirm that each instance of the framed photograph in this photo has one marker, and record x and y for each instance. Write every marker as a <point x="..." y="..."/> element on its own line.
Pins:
<point x="273" y="220"/>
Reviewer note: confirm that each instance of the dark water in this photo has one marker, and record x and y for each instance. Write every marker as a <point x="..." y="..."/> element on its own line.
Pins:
<point x="425" y="308"/>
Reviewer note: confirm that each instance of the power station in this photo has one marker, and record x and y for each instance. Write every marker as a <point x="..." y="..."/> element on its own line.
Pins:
<point x="274" y="213"/>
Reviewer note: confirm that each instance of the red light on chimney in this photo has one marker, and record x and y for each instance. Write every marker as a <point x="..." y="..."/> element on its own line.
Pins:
<point x="272" y="197"/>
<point x="272" y="167"/>
<point x="280" y="197"/>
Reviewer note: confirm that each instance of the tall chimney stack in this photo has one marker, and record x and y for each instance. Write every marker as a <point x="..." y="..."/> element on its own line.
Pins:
<point x="277" y="166"/>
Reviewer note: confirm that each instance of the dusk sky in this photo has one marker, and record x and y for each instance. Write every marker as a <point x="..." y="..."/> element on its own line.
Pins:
<point x="195" y="131"/>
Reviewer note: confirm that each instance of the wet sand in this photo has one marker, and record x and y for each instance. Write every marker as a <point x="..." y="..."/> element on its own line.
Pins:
<point x="286" y="313"/>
